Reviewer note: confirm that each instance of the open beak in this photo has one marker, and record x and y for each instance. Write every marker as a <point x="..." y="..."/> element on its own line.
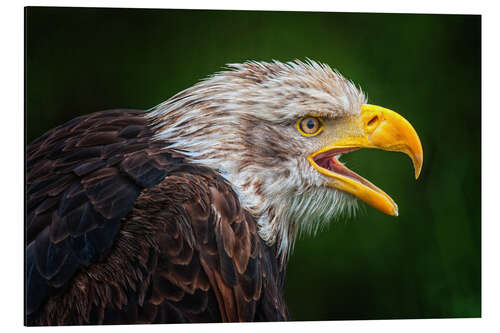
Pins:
<point x="382" y="129"/>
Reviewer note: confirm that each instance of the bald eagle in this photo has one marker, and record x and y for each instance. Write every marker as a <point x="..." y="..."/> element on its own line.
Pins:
<point x="187" y="212"/>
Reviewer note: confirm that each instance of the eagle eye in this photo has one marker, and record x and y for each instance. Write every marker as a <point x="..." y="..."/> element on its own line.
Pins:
<point x="310" y="126"/>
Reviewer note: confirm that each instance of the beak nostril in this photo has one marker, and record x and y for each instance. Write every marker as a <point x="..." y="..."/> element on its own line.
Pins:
<point x="373" y="120"/>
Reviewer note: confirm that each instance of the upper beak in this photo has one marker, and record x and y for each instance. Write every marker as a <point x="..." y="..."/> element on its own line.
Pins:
<point x="381" y="128"/>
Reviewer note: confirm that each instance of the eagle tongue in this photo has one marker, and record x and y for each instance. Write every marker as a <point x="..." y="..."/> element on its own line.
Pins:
<point x="337" y="167"/>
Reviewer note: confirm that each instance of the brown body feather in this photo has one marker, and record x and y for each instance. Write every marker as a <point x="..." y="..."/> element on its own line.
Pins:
<point x="120" y="230"/>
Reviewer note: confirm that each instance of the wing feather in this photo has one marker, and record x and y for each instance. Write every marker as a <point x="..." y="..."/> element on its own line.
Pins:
<point x="77" y="193"/>
<point x="136" y="234"/>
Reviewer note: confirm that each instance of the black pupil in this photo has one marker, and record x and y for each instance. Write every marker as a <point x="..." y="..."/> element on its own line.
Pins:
<point x="310" y="124"/>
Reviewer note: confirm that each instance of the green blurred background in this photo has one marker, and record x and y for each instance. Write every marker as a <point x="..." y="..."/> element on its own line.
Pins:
<point x="424" y="264"/>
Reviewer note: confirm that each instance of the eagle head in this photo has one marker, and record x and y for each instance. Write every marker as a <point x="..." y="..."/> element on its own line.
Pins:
<point x="276" y="131"/>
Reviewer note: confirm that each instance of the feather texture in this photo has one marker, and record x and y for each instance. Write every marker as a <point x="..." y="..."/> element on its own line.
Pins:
<point x="121" y="230"/>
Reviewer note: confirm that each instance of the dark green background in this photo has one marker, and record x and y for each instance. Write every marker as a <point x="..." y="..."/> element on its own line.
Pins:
<point x="425" y="263"/>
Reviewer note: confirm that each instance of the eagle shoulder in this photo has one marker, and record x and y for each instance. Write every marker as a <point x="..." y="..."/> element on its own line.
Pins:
<point x="210" y="247"/>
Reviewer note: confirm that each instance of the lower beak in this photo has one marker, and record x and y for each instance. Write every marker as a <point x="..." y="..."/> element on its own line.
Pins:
<point x="382" y="129"/>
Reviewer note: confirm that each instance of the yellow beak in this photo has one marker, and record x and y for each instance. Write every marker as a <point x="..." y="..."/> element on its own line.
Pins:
<point x="381" y="129"/>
